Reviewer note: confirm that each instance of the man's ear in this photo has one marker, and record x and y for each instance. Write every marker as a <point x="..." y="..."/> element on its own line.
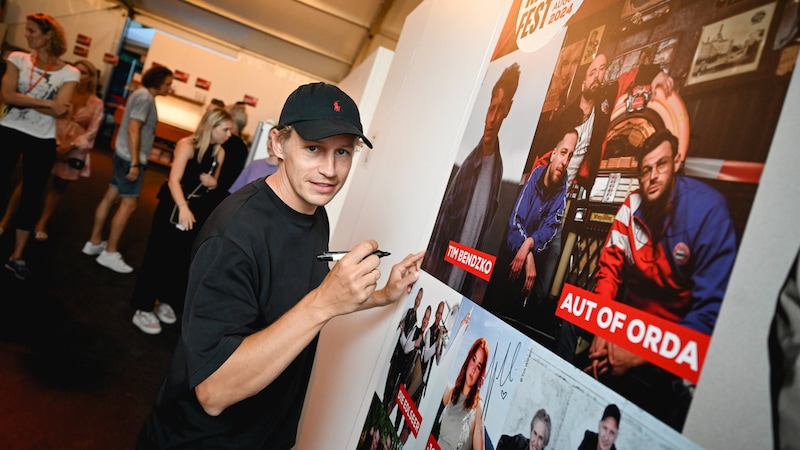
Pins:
<point x="277" y="145"/>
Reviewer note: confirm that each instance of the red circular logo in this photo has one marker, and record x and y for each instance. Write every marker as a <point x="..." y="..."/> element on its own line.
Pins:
<point x="681" y="253"/>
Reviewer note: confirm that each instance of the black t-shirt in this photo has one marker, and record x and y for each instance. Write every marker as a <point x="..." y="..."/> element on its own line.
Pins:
<point x="516" y="442"/>
<point x="253" y="260"/>
<point x="235" y="157"/>
<point x="590" y="441"/>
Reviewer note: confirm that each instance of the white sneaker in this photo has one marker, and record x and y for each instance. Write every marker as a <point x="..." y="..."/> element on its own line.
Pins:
<point x="93" y="249"/>
<point x="114" y="262"/>
<point x="165" y="313"/>
<point x="147" y="322"/>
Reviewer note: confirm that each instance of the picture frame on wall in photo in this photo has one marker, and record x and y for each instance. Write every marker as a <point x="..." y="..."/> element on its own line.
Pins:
<point x="633" y="7"/>
<point x="661" y="53"/>
<point x="731" y="46"/>
<point x="592" y="44"/>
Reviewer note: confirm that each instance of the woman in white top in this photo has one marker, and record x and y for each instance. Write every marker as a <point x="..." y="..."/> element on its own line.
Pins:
<point x="37" y="88"/>
<point x="75" y="136"/>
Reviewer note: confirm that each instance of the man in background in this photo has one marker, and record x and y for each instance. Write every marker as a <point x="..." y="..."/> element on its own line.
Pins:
<point x="132" y="149"/>
<point x="669" y="252"/>
<point x="215" y="103"/>
<point x="539" y="436"/>
<point x="472" y="196"/>
<point x="607" y="431"/>
<point x="399" y="358"/>
<point x="526" y="263"/>
<point x="590" y="114"/>
<point x="439" y="332"/>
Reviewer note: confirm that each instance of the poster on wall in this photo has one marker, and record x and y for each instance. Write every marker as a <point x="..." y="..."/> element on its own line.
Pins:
<point x="590" y="223"/>
<point x="473" y="381"/>
<point x="181" y="76"/>
<point x="731" y="46"/>
<point x="81" y="51"/>
<point x="82" y="39"/>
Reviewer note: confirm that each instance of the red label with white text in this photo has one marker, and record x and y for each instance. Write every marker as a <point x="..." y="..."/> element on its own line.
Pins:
<point x="473" y="261"/>
<point x="432" y="444"/>
<point x="666" y="344"/>
<point x="409" y="410"/>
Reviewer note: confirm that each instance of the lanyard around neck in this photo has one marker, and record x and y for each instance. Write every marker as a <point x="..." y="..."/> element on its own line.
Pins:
<point x="31" y="83"/>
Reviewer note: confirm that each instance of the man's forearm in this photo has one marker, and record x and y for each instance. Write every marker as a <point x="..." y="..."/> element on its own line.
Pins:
<point x="261" y="358"/>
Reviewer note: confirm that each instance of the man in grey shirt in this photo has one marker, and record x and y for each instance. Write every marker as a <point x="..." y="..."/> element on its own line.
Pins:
<point x="133" y="144"/>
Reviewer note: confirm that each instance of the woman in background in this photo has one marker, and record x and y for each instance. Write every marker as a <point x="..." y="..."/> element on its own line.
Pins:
<point x="75" y="136"/>
<point x="258" y="169"/>
<point x="460" y="423"/>
<point x="165" y="268"/>
<point x="37" y="88"/>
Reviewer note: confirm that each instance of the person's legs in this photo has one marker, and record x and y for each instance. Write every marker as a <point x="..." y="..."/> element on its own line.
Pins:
<point x="143" y="299"/>
<point x="109" y="256"/>
<point x="53" y="196"/>
<point x="127" y="205"/>
<point x="11" y="208"/>
<point x="157" y="264"/>
<point x="546" y="265"/>
<point x="115" y="186"/>
<point x="128" y="193"/>
<point x="101" y="214"/>
<point x="9" y="156"/>
<point x="37" y="160"/>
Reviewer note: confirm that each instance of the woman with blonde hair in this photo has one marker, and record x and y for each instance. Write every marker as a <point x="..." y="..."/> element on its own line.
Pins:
<point x="37" y="89"/>
<point x="75" y="136"/>
<point x="178" y="217"/>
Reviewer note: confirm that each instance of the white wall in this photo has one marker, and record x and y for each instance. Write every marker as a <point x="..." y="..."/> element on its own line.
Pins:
<point x="364" y="84"/>
<point x="394" y="198"/>
<point x="230" y="79"/>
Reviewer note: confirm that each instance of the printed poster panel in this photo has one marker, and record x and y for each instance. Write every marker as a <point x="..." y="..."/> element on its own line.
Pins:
<point x="494" y="387"/>
<point x="598" y="207"/>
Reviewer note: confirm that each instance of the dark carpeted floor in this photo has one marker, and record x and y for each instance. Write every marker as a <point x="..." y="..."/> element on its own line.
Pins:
<point x="74" y="372"/>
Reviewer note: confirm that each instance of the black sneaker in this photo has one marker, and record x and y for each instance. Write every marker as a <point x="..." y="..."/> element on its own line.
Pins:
<point x="19" y="268"/>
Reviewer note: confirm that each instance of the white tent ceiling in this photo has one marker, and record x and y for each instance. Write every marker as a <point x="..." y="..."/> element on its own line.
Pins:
<point x="324" y="38"/>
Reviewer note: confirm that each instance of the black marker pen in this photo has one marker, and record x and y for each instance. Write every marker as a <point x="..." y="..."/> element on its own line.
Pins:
<point x="336" y="256"/>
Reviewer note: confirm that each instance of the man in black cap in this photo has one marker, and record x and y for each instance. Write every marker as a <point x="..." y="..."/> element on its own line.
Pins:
<point x="607" y="431"/>
<point x="257" y="295"/>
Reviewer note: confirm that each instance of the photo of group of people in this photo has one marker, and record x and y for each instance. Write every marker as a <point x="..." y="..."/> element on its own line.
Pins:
<point x="496" y="389"/>
<point x="621" y="177"/>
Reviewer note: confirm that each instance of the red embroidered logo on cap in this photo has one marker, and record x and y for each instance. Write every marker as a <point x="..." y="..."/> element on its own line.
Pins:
<point x="336" y="106"/>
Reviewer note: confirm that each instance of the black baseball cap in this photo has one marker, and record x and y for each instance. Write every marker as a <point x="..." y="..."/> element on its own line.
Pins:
<point x="611" y="411"/>
<point x="320" y="110"/>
